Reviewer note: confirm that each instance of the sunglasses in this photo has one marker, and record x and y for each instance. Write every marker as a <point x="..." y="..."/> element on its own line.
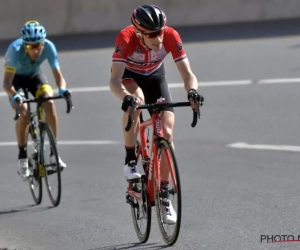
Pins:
<point x="154" y="34"/>
<point x="34" y="46"/>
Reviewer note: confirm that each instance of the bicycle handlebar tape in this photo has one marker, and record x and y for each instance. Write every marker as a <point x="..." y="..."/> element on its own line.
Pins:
<point x="130" y="119"/>
<point x="18" y="101"/>
<point x="194" y="123"/>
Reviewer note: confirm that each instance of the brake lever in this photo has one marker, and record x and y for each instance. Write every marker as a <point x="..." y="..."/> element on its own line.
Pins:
<point x="69" y="103"/>
<point x="196" y="113"/>
<point x="130" y="118"/>
<point x="17" y="110"/>
<point x="198" y="109"/>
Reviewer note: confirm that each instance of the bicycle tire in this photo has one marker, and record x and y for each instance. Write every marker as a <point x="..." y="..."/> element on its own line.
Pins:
<point x="136" y="206"/>
<point x="46" y="130"/>
<point x="169" y="238"/>
<point x="34" y="177"/>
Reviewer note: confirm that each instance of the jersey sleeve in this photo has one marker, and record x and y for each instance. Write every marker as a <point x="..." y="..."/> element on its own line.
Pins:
<point x="52" y="55"/>
<point x="173" y="44"/>
<point x="121" y="48"/>
<point x="11" y="60"/>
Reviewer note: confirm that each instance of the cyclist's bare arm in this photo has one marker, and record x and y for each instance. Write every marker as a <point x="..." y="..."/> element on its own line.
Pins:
<point x="59" y="79"/>
<point x="189" y="79"/>
<point x="117" y="71"/>
<point x="7" y="83"/>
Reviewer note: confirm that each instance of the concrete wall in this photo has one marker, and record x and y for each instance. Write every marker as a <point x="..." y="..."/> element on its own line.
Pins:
<point x="80" y="16"/>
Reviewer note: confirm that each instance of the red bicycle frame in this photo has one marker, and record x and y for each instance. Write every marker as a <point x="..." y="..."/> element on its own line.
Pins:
<point x="159" y="166"/>
<point x="154" y="164"/>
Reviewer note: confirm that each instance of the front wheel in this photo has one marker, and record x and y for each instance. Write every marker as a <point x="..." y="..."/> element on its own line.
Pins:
<point x="140" y="211"/>
<point x="35" y="178"/>
<point x="168" y="198"/>
<point x="50" y="161"/>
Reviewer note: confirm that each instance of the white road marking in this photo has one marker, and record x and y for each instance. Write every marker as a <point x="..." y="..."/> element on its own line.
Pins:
<point x="275" y="81"/>
<point x="243" y="145"/>
<point x="224" y="83"/>
<point x="89" y="89"/>
<point x="201" y="84"/>
<point x="72" y="143"/>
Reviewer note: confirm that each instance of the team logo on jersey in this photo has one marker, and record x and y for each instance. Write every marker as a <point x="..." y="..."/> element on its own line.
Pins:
<point x="138" y="50"/>
<point x="179" y="46"/>
<point x="158" y="55"/>
<point x="117" y="49"/>
<point x="137" y="57"/>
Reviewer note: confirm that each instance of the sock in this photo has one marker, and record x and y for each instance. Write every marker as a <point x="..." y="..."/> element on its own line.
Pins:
<point x="22" y="152"/>
<point x="130" y="154"/>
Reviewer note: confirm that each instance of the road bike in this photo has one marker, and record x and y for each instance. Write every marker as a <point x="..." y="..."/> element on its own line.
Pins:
<point x="39" y="163"/>
<point x="146" y="192"/>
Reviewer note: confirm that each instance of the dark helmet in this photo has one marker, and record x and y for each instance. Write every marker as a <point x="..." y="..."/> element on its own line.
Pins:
<point x="148" y="18"/>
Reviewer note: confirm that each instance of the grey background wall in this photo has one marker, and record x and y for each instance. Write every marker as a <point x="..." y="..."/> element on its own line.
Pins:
<point x="85" y="16"/>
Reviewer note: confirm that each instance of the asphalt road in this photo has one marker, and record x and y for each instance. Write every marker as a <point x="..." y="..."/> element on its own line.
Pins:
<point x="231" y="196"/>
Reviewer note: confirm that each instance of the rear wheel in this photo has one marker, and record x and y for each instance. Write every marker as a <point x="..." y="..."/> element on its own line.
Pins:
<point x="170" y="196"/>
<point x="140" y="211"/>
<point x="50" y="161"/>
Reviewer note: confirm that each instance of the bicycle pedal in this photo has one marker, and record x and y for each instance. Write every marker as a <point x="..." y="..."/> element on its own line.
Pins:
<point x="136" y="188"/>
<point x="129" y="199"/>
<point x="50" y="172"/>
<point x="138" y="180"/>
<point x="34" y="156"/>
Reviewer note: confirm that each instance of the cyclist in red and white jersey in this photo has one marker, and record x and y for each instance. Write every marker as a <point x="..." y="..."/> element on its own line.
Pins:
<point x="138" y="76"/>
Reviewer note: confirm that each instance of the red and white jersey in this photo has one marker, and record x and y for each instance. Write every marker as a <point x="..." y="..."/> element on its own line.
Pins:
<point x="138" y="59"/>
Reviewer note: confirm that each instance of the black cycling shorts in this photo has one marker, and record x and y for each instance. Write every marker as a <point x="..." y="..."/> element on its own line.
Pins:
<point x="31" y="83"/>
<point x="154" y="86"/>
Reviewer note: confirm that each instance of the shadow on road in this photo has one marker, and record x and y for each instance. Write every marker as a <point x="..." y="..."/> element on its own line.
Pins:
<point x="28" y="209"/>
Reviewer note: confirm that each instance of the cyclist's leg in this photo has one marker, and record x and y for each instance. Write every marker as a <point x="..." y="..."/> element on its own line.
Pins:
<point x="19" y="83"/>
<point x="156" y="89"/>
<point x="40" y="86"/>
<point x="21" y="128"/>
<point x="130" y="137"/>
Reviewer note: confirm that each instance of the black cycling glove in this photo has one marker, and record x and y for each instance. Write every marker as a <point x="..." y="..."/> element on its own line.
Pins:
<point x="196" y="97"/>
<point x="128" y="101"/>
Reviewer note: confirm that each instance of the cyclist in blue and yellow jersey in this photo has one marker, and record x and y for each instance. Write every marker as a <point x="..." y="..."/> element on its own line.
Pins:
<point x="22" y="70"/>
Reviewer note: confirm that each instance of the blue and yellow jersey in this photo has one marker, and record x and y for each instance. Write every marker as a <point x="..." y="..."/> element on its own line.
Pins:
<point x="18" y="62"/>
